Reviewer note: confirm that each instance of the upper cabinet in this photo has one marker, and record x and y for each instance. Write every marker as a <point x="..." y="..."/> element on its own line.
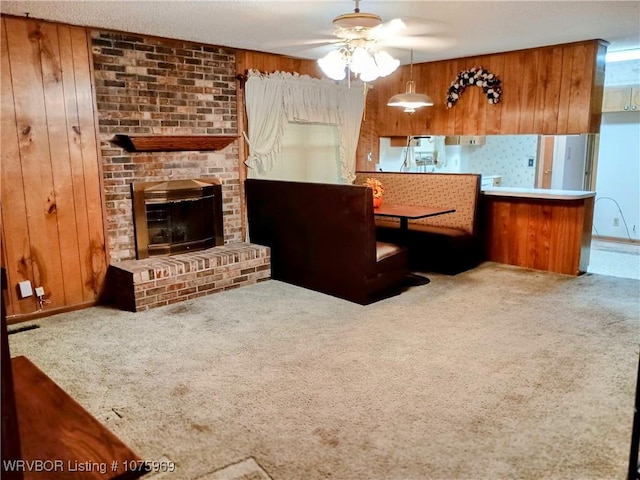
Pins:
<point x="621" y="99"/>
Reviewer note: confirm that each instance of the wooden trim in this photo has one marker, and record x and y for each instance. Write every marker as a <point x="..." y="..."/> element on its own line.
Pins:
<point x="13" y="319"/>
<point x="173" y="143"/>
<point x="53" y="426"/>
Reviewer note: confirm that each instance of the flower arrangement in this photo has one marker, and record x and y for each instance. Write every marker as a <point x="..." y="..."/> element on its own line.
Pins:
<point x="478" y="76"/>
<point x="376" y="185"/>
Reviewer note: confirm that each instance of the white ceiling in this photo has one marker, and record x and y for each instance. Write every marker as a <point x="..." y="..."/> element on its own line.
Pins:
<point x="455" y="28"/>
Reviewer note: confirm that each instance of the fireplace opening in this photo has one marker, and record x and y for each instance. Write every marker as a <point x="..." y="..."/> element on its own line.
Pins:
<point x="176" y="216"/>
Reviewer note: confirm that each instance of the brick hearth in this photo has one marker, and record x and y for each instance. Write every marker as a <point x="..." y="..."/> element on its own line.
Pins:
<point x="138" y="285"/>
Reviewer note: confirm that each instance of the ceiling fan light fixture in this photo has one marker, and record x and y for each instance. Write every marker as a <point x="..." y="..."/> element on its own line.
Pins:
<point x="334" y="65"/>
<point x="386" y="63"/>
<point x="360" y="60"/>
<point x="359" y="54"/>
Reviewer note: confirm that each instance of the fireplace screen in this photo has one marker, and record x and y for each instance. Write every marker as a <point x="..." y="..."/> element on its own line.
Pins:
<point x="176" y="216"/>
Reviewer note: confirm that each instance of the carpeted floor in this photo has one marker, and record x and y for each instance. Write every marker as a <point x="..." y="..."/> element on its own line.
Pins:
<point x="496" y="373"/>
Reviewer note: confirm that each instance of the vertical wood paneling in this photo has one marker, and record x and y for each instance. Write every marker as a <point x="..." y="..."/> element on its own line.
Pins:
<point x="92" y="254"/>
<point x="582" y="73"/>
<point x="544" y="91"/>
<point x="64" y="198"/>
<point x="437" y="87"/>
<point x="268" y="63"/>
<point x="565" y="89"/>
<point x="548" y="90"/>
<point x="15" y="231"/>
<point x="542" y="234"/>
<point x="597" y="86"/>
<point x="23" y="41"/>
<point x="54" y="233"/>
<point x="528" y="97"/>
<point x="512" y="75"/>
<point x="493" y="113"/>
<point x="469" y="107"/>
<point x="451" y="72"/>
<point x="77" y="180"/>
<point x="517" y="246"/>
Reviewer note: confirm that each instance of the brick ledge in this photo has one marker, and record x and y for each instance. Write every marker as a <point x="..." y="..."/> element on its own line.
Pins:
<point x="138" y="285"/>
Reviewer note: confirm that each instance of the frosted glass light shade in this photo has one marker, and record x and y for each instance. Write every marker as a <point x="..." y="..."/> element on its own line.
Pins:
<point x="359" y="60"/>
<point x="334" y="65"/>
<point x="386" y="63"/>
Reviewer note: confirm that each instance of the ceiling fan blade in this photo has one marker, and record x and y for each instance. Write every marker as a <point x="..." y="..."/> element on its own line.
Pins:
<point x="305" y="42"/>
<point x="411" y="26"/>
<point x="419" y="43"/>
<point x="308" y="52"/>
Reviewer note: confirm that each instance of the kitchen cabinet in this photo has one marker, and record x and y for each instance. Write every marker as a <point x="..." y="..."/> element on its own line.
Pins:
<point x="465" y="140"/>
<point x="621" y="99"/>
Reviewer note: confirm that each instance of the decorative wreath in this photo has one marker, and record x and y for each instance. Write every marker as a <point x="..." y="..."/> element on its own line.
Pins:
<point x="478" y="76"/>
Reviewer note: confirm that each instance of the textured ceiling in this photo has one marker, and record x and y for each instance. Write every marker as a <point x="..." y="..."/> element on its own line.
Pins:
<point x="303" y="29"/>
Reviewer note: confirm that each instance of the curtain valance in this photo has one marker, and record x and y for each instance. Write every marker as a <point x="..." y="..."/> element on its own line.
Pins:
<point x="276" y="99"/>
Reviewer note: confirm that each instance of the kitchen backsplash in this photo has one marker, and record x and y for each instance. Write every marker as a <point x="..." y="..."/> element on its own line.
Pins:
<point x="506" y="156"/>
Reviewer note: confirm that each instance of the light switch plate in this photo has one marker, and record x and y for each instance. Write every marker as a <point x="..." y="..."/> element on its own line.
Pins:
<point x="25" y="289"/>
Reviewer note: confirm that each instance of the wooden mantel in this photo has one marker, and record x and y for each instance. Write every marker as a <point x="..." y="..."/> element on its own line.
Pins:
<point x="172" y="143"/>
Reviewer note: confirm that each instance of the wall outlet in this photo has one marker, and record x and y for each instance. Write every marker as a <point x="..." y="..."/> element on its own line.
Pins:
<point x="616" y="222"/>
<point x="39" y="292"/>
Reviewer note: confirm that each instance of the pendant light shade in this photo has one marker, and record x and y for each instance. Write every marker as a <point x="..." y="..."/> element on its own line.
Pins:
<point x="410" y="100"/>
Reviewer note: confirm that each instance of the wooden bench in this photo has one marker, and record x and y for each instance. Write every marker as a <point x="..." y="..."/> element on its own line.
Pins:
<point x="448" y="243"/>
<point x="322" y="237"/>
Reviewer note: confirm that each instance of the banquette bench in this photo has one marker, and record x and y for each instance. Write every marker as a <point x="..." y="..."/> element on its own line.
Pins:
<point x="448" y="243"/>
<point x="322" y="237"/>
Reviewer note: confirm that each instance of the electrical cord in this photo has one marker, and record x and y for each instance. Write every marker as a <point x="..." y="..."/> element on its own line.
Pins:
<point x="624" y="221"/>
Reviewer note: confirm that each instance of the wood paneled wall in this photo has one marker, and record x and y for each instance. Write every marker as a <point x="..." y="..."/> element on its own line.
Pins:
<point x="52" y="222"/>
<point x="268" y="63"/>
<point x="550" y="90"/>
<point x="543" y="234"/>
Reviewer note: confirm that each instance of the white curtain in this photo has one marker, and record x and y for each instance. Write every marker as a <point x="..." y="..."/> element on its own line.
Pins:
<point x="277" y="99"/>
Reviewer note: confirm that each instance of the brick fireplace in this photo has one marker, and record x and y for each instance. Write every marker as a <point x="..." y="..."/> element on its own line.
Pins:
<point x="160" y="87"/>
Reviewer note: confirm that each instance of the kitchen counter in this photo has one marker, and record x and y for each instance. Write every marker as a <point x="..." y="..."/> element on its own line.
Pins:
<point x="538" y="228"/>
<point x="542" y="193"/>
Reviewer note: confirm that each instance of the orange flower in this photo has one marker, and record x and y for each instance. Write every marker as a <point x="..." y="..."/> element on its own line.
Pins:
<point x="376" y="185"/>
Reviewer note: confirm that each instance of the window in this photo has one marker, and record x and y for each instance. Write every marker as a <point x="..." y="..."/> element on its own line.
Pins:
<point x="309" y="153"/>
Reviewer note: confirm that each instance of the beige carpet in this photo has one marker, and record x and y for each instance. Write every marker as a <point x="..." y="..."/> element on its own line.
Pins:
<point x="496" y="373"/>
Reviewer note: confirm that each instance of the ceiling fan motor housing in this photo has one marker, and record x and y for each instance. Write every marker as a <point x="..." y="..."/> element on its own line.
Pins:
<point x="357" y="21"/>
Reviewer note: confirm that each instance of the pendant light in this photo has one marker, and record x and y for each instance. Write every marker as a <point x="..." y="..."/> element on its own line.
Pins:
<point x="410" y="100"/>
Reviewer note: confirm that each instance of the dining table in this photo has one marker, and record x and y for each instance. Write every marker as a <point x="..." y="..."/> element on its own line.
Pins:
<point x="409" y="212"/>
<point x="406" y="213"/>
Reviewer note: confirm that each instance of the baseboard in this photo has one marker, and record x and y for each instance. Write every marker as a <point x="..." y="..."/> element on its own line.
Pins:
<point x="616" y="239"/>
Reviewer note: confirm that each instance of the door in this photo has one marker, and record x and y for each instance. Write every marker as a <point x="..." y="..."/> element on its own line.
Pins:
<point x="545" y="161"/>
<point x="567" y="162"/>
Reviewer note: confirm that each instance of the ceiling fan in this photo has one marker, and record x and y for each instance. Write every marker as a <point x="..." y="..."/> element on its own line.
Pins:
<point x="362" y="40"/>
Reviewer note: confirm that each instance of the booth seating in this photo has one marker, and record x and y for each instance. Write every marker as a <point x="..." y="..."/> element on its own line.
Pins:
<point x="449" y="243"/>
<point x="322" y="237"/>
